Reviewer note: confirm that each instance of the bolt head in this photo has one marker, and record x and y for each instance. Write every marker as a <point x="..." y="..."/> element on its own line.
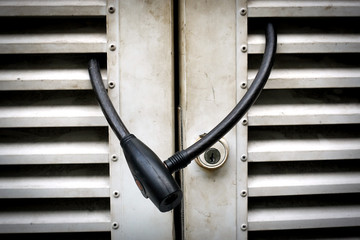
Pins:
<point x="114" y="158"/>
<point x="115" y="225"/>
<point x="243" y="11"/>
<point x="111" y="9"/>
<point x="243" y="227"/>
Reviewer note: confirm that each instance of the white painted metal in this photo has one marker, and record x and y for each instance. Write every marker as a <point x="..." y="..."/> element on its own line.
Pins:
<point x="303" y="8"/>
<point x="146" y="106"/>
<point x="54" y="187"/>
<point x="50" y="116"/>
<point x="241" y="130"/>
<point x="304" y="183"/>
<point x="78" y="146"/>
<point x="53" y="43"/>
<point x="287" y="149"/>
<point x="309" y="43"/>
<point x="52" y="7"/>
<point x="208" y="87"/>
<point x="54" y="221"/>
<point x="46" y="79"/>
<point x="288" y="107"/>
<point x="311" y="78"/>
<point x="303" y="217"/>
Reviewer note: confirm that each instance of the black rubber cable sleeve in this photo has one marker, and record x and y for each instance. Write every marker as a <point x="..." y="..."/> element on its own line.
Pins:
<point x="182" y="158"/>
<point x="106" y="106"/>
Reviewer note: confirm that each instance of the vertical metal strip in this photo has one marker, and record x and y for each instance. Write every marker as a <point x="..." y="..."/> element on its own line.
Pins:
<point x="113" y="74"/>
<point x="242" y="127"/>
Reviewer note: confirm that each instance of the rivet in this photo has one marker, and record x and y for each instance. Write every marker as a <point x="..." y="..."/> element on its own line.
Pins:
<point x="114" y="158"/>
<point x="244" y="122"/>
<point x="116" y="194"/>
<point x="112" y="47"/>
<point x="243" y="227"/>
<point x="115" y="225"/>
<point x="111" y="84"/>
<point x="244" y="48"/>
<point x="243" y="85"/>
<point x="111" y="9"/>
<point x="243" y="11"/>
<point x="243" y="193"/>
<point x="243" y="157"/>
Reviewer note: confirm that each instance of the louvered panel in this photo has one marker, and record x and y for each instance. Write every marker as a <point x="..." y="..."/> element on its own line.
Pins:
<point x="302" y="8"/>
<point x="318" y="211"/>
<point x="303" y="135"/>
<point x="52" y="7"/>
<point x="304" y="143"/>
<point x="33" y="35"/>
<point x="49" y="109"/>
<point x="53" y="215"/>
<point x="301" y="107"/>
<point x="53" y="146"/>
<point x="54" y="181"/>
<point x="303" y="178"/>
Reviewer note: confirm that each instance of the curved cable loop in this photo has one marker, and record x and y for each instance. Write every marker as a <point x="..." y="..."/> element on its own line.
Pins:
<point x="182" y="158"/>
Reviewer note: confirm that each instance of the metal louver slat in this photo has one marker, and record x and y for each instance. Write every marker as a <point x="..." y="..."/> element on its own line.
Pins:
<point x="43" y="109"/>
<point x="26" y="35"/>
<point x="54" y="181"/>
<point x="52" y="8"/>
<point x="46" y="72"/>
<point x="304" y="143"/>
<point x="45" y="79"/>
<point x="304" y="217"/>
<point x="54" y="215"/>
<point x="301" y="107"/>
<point x="303" y="8"/>
<point x="309" y="43"/>
<point x="53" y="146"/>
<point x="304" y="178"/>
<point x="311" y="78"/>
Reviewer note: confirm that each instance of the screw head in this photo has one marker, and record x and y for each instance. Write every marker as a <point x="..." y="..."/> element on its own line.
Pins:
<point x="243" y="158"/>
<point x="116" y="194"/>
<point x="115" y="225"/>
<point x="244" y="122"/>
<point x="114" y="158"/>
<point x="243" y="193"/>
<point x="244" y="48"/>
<point x="112" y="47"/>
<point x="243" y="85"/>
<point x="243" y="227"/>
<point x="111" y="84"/>
<point x="243" y="11"/>
<point x="111" y="9"/>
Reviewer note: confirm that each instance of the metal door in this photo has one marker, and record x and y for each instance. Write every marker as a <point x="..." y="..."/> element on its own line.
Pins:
<point x="292" y="170"/>
<point x="63" y="174"/>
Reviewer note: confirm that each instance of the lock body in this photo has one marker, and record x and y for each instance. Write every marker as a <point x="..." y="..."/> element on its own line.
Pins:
<point x="215" y="156"/>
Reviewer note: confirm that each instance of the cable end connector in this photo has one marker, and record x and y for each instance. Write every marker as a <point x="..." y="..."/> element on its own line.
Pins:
<point x="177" y="161"/>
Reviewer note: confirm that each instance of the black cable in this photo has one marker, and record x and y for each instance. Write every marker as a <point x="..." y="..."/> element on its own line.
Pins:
<point x="182" y="158"/>
<point x="106" y="106"/>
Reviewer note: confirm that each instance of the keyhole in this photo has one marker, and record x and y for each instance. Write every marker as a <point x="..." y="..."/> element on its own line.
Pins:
<point x="212" y="156"/>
